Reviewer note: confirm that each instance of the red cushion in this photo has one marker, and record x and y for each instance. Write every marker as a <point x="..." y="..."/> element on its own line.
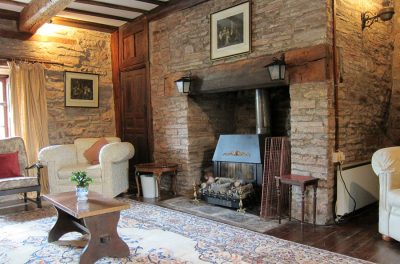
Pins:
<point x="9" y="165"/>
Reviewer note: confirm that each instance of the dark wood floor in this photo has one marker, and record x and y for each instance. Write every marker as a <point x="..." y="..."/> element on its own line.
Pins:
<point x="358" y="237"/>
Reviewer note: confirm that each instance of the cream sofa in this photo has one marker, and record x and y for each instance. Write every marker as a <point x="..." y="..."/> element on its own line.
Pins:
<point x="386" y="164"/>
<point x="110" y="177"/>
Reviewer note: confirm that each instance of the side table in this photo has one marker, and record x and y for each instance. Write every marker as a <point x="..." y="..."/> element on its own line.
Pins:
<point x="303" y="182"/>
<point x="158" y="169"/>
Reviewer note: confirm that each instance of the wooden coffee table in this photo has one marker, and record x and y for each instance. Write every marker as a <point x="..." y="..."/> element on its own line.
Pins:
<point x="98" y="216"/>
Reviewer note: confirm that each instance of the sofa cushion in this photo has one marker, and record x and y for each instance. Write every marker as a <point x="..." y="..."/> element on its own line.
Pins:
<point x="93" y="171"/>
<point x="82" y="144"/>
<point x="17" y="182"/>
<point x="9" y="165"/>
<point x="92" y="153"/>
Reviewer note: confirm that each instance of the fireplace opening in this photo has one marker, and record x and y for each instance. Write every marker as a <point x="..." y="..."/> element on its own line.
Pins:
<point x="242" y="117"/>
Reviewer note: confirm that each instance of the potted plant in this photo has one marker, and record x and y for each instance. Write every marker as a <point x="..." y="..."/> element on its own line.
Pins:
<point x="82" y="183"/>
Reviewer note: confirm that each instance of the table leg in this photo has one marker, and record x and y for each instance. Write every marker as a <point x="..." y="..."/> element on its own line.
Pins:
<point x="104" y="240"/>
<point x="302" y="204"/>
<point x="290" y="202"/>
<point x="65" y="224"/>
<point x="278" y="191"/>
<point x="315" y="204"/>
<point x="173" y="187"/>
<point x="158" y="178"/>
<point x="137" y="183"/>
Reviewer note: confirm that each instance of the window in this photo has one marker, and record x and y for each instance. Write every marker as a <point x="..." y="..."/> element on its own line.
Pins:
<point x="3" y="107"/>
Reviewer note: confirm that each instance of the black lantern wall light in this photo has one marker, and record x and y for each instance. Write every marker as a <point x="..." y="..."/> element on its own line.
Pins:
<point x="277" y="69"/>
<point x="385" y="14"/>
<point x="184" y="84"/>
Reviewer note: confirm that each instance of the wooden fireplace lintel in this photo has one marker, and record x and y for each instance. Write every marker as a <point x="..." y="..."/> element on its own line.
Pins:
<point x="312" y="64"/>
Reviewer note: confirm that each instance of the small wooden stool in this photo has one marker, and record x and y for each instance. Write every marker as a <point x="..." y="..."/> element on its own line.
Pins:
<point x="303" y="182"/>
<point x="157" y="169"/>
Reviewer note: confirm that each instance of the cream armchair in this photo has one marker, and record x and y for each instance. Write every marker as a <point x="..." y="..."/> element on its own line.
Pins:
<point x="110" y="177"/>
<point x="386" y="164"/>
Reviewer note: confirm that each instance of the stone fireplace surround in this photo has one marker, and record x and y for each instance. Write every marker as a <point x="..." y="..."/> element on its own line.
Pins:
<point x="189" y="129"/>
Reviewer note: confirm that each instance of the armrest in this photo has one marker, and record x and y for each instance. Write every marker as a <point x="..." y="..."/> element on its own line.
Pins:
<point x="38" y="167"/>
<point x="58" y="153"/>
<point x="386" y="164"/>
<point x="116" y="152"/>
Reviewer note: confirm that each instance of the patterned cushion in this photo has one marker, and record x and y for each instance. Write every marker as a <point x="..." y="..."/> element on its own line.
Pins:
<point x="17" y="182"/>
<point x="93" y="171"/>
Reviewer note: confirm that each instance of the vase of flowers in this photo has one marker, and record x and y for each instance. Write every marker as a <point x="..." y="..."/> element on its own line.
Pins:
<point x="82" y="184"/>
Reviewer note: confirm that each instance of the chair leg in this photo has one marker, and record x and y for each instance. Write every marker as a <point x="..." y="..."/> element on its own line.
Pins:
<point x="38" y="199"/>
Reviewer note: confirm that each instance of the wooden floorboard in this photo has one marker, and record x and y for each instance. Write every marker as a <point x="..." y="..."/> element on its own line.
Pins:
<point x="358" y="238"/>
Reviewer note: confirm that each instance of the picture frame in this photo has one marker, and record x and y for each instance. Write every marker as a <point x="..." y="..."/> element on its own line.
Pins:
<point x="81" y="89"/>
<point x="230" y="31"/>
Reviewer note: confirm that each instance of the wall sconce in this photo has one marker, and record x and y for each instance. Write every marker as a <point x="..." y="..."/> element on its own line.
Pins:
<point x="385" y="14"/>
<point x="277" y="69"/>
<point x="184" y="83"/>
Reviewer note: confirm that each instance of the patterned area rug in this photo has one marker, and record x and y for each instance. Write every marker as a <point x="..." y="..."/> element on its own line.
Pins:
<point x="221" y="214"/>
<point x="156" y="235"/>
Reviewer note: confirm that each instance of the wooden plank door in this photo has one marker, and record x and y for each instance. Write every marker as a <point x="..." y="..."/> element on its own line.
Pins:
<point x="134" y="118"/>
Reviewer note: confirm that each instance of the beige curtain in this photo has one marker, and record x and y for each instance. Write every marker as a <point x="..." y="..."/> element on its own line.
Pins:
<point x="29" y="109"/>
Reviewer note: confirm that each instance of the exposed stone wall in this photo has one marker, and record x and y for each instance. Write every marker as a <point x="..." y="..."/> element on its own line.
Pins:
<point x="312" y="138"/>
<point x="245" y="112"/>
<point x="365" y="79"/>
<point x="180" y="42"/>
<point x="78" y="50"/>
<point x="393" y="125"/>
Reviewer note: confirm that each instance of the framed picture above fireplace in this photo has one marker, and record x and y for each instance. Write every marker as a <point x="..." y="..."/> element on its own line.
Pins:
<point x="81" y="89"/>
<point x="230" y="31"/>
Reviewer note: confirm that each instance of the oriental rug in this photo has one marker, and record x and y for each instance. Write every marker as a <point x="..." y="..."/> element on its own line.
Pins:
<point x="156" y="235"/>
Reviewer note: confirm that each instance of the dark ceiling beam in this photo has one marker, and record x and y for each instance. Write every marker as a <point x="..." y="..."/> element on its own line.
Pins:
<point x="95" y="14"/>
<point x="39" y="12"/>
<point x="154" y="2"/>
<point x="83" y="24"/>
<point x="7" y="14"/>
<point x="113" y="6"/>
<point x="11" y="2"/>
<point x="172" y="6"/>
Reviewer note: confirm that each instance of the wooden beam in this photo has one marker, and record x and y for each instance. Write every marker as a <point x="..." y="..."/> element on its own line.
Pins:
<point x="39" y="12"/>
<point x="12" y="2"/>
<point x="116" y="81"/>
<point x="95" y="14"/>
<point x="154" y="2"/>
<point x="14" y="34"/>
<point x="83" y="24"/>
<point x="7" y="14"/>
<point x="245" y="74"/>
<point x="172" y="6"/>
<point x="312" y="64"/>
<point x="29" y="37"/>
<point x="113" y="6"/>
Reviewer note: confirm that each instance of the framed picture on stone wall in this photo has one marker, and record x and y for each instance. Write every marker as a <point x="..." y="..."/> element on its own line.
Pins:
<point x="230" y="31"/>
<point x="81" y="89"/>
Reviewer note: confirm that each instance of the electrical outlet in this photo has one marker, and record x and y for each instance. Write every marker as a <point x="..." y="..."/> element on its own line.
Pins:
<point x="338" y="156"/>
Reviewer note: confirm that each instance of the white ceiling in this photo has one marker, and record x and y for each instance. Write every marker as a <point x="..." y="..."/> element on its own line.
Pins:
<point x="109" y="15"/>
